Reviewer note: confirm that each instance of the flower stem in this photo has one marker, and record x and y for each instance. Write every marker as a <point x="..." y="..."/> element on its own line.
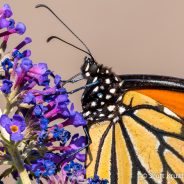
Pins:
<point x="19" y="165"/>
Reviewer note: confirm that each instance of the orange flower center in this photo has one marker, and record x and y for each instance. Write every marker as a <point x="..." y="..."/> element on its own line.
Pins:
<point x="14" y="128"/>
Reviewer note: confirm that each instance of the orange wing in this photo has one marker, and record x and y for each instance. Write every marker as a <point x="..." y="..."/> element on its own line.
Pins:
<point x="173" y="100"/>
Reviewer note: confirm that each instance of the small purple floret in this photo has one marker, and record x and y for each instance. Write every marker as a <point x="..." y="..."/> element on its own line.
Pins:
<point x="14" y="126"/>
<point x="29" y="98"/>
<point x="4" y="23"/>
<point x="6" y="87"/>
<point x="97" y="180"/>
<point x="28" y="40"/>
<point x="43" y="168"/>
<point x="20" y="28"/>
<point x="7" y="64"/>
<point x="26" y="64"/>
<point x="7" y="11"/>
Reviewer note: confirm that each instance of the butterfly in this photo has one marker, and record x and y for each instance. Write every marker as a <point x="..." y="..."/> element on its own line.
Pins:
<point x="136" y="126"/>
<point x="135" y="123"/>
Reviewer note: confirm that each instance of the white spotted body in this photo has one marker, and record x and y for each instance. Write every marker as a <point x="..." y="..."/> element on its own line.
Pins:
<point x="102" y="101"/>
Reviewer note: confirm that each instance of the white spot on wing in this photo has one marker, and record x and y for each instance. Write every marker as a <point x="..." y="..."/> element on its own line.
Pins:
<point x="115" y="119"/>
<point x="121" y="110"/>
<point x="135" y="112"/>
<point x="169" y="112"/>
<point x="110" y="115"/>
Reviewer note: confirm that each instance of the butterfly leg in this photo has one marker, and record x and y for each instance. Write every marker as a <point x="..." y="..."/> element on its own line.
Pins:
<point x="84" y="147"/>
<point x="74" y="79"/>
<point x="89" y="141"/>
<point x="83" y="87"/>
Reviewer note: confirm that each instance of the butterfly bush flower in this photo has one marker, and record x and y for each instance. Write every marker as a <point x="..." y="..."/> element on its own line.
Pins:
<point x="35" y="139"/>
<point x="97" y="180"/>
<point x="14" y="126"/>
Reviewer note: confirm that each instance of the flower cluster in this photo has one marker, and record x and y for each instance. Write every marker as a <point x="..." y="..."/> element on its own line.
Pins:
<point x="34" y="134"/>
<point x="41" y="108"/>
<point x="97" y="180"/>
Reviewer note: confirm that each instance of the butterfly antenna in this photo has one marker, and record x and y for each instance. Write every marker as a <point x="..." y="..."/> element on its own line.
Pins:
<point x="68" y="43"/>
<point x="52" y="37"/>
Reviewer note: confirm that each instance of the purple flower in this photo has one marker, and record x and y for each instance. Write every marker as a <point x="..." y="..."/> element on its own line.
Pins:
<point x="4" y="23"/>
<point x="4" y="120"/>
<point x="76" y="119"/>
<point x="97" y="180"/>
<point x="57" y="80"/>
<point x="6" y="87"/>
<point x="42" y="136"/>
<point x="17" y="54"/>
<point x="60" y="105"/>
<point x="74" y="171"/>
<point x="26" y="64"/>
<point x="7" y="64"/>
<point x="39" y="110"/>
<point x="20" y="28"/>
<point x="75" y="144"/>
<point x="11" y="23"/>
<point x="38" y="69"/>
<point x="61" y="135"/>
<point x="44" y="123"/>
<point x="48" y="145"/>
<point x="54" y="157"/>
<point x="23" y="43"/>
<point x="7" y="12"/>
<point x="26" y="53"/>
<point x="44" y="168"/>
<point x="14" y="126"/>
<point x="40" y="73"/>
<point x="29" y="98"/>
<point x="43" y="80"/>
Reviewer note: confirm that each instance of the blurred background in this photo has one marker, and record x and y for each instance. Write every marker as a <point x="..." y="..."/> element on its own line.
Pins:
<point x="131" y="36"/>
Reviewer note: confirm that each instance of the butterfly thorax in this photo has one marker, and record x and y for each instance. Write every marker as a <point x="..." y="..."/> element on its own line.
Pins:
<point x="103" y="100"/>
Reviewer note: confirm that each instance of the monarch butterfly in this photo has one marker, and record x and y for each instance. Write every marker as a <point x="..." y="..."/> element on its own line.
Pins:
<point x="135" y="123"/>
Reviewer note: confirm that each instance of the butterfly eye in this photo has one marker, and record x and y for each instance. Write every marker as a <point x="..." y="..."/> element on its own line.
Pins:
<point x="93" y="68"/>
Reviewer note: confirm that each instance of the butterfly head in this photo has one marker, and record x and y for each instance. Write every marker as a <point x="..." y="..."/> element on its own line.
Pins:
<point x="89" y="68"/>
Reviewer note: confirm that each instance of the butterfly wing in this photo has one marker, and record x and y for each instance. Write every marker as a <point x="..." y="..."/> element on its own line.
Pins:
<point x="145" y="146"/>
